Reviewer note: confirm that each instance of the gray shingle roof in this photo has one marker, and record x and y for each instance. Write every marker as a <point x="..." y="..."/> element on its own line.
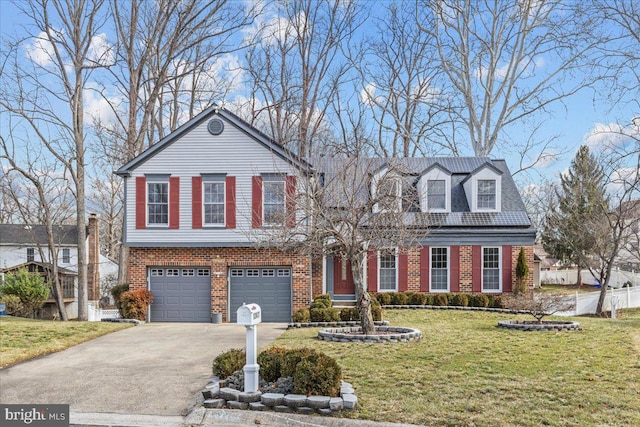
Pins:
<point x="21" y="234"/>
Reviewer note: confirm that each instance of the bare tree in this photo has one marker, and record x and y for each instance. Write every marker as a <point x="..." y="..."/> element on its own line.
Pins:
<point x="508" y="61"/>
<point x="539" y="305"/>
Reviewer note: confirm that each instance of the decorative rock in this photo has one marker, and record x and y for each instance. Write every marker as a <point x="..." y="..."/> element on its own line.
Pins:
<point x="345" y="384"/>
<point x="350" y="401"/>
<point x="233" y="404"/>
<point x="305" y="410"/>
<point x="214" y="379"/>
<point x="324" y="411"/>
<point x="346" y="390"/>
<point x="227" y="393"/>
<point x="318" y="402"/>
<point x="272" y="399"/>
<point x="336" y="404"/>
<point x="283" y="409"/>
<point x="210" y="393"/>
<point x="250" y="396"/>
<point x="257" y="406"/>
<point x="295" y="400"/>
<point x="214" y="403"/>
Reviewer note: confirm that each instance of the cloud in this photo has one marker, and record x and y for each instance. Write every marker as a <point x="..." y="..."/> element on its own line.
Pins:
<point x="97" y="107"/>
<point x="40" y="50"/>
<point x="368" y="94"/>
<point x="609" y="137"/>
<point x="100" y="50"/>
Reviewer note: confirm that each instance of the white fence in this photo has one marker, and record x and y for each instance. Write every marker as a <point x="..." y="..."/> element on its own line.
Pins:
<point x="569" y="277"/>
<point x="96" y="314"/>
<point x="586" y="303"/>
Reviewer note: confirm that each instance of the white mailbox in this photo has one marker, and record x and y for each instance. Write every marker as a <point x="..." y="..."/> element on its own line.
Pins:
<point x="249" y="314"/>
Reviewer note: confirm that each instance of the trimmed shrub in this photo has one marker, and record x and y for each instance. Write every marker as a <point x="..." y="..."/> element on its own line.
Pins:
<point x="301" y="315"/>
<point x="479" y="300"/>
<point x="440" y="300"/>
<point x="349" y="314"/>
<point x="417" y="298"/>
<point x="30" y="289"/>
<point x="428" y="299"/>
<point x="228" y="362"/>
<point x="376" y="312"/>
<point x="322" y="301"/>
<point x="317" y="374"/>
<point x="290" y="360"/>
<point x="324" y="315"/>
<point x="13" y="305"/>
<point x="399" y="298"/>
<point x="384" y="298"/>
<point x="496" y="301"/>
<point x="135" y="304"/>
<point x="116" y="292"/>
<point x="270" y="361"/>
<point x="460" y="300"/>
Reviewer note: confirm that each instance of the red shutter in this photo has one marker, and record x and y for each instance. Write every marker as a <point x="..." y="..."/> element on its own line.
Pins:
<point x="372" y="271"/>
<point x="174" y="202"/>
<point x="196" y="202"/>
<point x="507" y="284"/>
<point x="476" y="268"/>
<point x="454" y="269"/>
<point x="424" y="269"/>
<point x="291" y="201"/>
<point x="256" y="202"/>
<point x="141" y="202"/>
<point x="403" y="272"/>
<point x="230" y="208"/>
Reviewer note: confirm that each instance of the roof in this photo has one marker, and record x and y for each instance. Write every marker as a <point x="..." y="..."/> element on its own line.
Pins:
<point x="23" y="234"/>
<point x="208" y="113"/>
<point x="42" y="265"/>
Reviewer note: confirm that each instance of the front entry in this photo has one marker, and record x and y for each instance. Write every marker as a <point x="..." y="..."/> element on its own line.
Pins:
<point x="342" y="277"/>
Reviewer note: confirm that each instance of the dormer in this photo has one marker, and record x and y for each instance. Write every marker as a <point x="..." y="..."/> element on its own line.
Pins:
<point x="386" y="190"/>
<point x="483" y="188"/>
<point x="434" y="189"/>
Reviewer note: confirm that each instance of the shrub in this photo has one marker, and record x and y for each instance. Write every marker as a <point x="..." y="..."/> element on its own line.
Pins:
<point x="136" y="303"/>
<point x="228" y="362"/>
<point x="496" y="301"/>
<point x="324" y="315"/>
<point x="349" y="314"/>
<point x="301" y="315"/>
<point x="290" y="360"/>
<point x="376" y="312"/>
<point x="116" y="292"/>
<point x="317" y="374"/>
<point x="428" y="299"/>
<point x="384" y="298"/>
<point x="322" y="301"/>
<point x="270" y="361"/>
<point x="30" y="289"/>
<point x="460" y="300"/>
<point x="13" y="306"/>
<point x="440" y="300"/>
<point x="522" y="270"/>
<point x="479" y="300"/>
<point x="398" y="298"/>
<point x="417" y="298"/>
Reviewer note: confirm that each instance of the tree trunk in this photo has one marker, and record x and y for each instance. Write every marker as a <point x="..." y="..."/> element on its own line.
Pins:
<point x="123" y="263"/>
<point x="579" y="277"/>
<point x="58" y="295"/>
<point x="363" y="299"/>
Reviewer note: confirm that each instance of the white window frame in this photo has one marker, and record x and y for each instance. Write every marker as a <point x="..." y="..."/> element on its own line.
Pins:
<point x="395" y="253"/>
<point x="437" y="209"/>
<point x="499" y="248"/>
<point x="266" y="182"/>
<point x="157" y="181"/>
<point x="206" y="182"/>
<point x="383" y="179"/>
<point x="448" y="252"/>
<point x="495" y="194"/>
<point x="66" y="256"/>
<point x="31" y="253"/>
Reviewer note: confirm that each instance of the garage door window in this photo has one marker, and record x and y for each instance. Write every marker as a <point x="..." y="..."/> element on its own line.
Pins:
<point x="188" y="272"/>
<point x="237" y="273"/>
<point x="157" y="272"/>
<point x="269" y="273"/>
<point x="254" y="272"/>
<point x="173" y="272"/>
<point x="203" y="272"/>
<point x="283" y="272"/>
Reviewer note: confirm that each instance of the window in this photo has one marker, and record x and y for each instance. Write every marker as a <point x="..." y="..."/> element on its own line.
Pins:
<point x="253" y="272"/>
<point x="213" y="203"/>
<point x="439" y="269"/>
<point x="491" y="269"/>
<point x="237" y="273"/>
<point x="486" y="194"/>
<point x="273" y="202"/>
<point x="173" y="272"/>
<point x="388" y="263"/>
<point x="202" y="272"/>
<point x="269" y="273"/>
<point x="436" y="197"/>
<point x="157" y="272"/>
<point x="188" y="272"/>
<point x="284" y="272"/>
<point x="31" y="254"/>
<point x="66" y="256"/>
<point x="158" y="203"/>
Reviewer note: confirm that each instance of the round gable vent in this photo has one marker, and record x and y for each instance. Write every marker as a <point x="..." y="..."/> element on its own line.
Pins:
<point x="215" y="126"/>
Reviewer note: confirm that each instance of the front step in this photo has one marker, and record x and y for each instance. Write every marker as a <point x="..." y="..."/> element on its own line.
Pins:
<point x="339" y="304"/>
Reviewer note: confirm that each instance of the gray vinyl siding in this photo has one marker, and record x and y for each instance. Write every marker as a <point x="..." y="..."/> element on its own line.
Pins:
<point x="198" y="152"/>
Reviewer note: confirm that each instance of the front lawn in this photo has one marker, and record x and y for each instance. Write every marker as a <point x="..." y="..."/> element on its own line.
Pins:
<point x="22" y="339"/>
<point x="566" y="289"/>
<point x="466" y="371"/>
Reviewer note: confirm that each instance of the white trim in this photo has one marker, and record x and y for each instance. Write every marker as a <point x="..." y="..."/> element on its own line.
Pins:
<point x="436" y="174"/>
<point x="148" y="182"/>
<point x="491" y="291"/>
<point x="284" y="201"/>
<point x="448" y="248"/>
<point x="224" y="205"/>
<point x="395" y="250"/>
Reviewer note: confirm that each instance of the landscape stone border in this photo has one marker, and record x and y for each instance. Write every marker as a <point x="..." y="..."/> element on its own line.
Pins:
<point x="545" y="325"/>
<point x="333" y="324"/>
<point x="120" y="320"/>
<point x="392" y="334"/>
<point x="217" y="398"/>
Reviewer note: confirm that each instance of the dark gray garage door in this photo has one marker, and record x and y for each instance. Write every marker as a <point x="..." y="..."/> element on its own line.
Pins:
<point x="180" y="294"/>
<point x="269" y="287"/>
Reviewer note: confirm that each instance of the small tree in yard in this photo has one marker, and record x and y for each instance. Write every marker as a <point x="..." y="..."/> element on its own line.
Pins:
<point x="522" y="270"/>
<point x="27" y="288"/>
<point x="539" y="305"/>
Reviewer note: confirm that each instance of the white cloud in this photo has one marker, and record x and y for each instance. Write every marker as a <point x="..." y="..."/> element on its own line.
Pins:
<point x="608" y="137"/>
<point x="100" y="50"/>
<point x="97" y="107"/>
<point x="40" y="50"/>
<point x="368" y="94"/>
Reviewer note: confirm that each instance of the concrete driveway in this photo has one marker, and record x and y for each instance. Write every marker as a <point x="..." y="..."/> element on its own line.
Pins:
<point x="156" y="368"/>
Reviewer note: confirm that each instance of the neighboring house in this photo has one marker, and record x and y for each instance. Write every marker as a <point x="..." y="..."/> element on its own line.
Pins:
<point x="195" y="200"/>
<point x="26" y="245"/>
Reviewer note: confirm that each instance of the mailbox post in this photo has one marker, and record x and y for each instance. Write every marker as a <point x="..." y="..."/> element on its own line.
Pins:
<point x="250" y="315"/>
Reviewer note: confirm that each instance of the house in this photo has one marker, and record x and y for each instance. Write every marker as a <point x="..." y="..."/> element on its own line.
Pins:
<point x="26" y="246"/>
<point x="196" y="200"/>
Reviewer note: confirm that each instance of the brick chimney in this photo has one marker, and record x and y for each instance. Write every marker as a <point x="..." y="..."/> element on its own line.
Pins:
<point x="93" y="267"/>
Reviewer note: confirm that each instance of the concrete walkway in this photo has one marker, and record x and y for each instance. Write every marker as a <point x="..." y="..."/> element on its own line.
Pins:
<point x="155" y="369"/>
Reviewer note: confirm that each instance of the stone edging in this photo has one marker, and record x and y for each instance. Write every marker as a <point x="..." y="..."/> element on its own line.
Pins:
<point x="135" y="321"/>
<point x="394" y="334"/>
<point x="546" y="325"/>
<point x="454" y="307"/>
<point x="216" y="397"/>
<point x="333" y="324"/>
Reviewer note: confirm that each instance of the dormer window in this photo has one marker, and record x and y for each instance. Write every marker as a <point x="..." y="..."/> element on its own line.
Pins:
<point x="486" y="194"/>
<point x="436" y="194"/>
<point x="434" y="188"/>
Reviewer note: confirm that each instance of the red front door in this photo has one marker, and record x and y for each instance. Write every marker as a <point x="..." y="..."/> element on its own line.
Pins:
<point x="342" y="277"/>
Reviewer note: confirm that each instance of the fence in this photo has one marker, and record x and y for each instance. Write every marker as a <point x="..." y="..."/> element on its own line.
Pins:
<point x="586" y="303"/>
<point x="568" y="277"/>
<point x="96" y="314"/>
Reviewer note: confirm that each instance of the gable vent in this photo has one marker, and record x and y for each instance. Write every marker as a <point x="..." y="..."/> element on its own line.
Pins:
<point x="215" y="126"/>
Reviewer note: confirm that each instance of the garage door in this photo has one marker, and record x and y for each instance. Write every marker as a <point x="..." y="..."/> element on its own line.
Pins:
<point x="269" y="287"/>
<point x="180" y="294"/>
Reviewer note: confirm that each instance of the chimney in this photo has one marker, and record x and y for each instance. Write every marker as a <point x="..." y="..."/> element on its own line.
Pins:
<point x="93" y="267"/>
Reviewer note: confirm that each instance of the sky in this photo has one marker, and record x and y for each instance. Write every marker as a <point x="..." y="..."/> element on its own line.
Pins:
<point x="582" y="119"/>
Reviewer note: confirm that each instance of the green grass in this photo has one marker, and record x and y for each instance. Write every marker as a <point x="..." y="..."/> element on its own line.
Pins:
<point x="23" y="339"/>
<point x="566" y="289"/>
<point x="467" y="372"/>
